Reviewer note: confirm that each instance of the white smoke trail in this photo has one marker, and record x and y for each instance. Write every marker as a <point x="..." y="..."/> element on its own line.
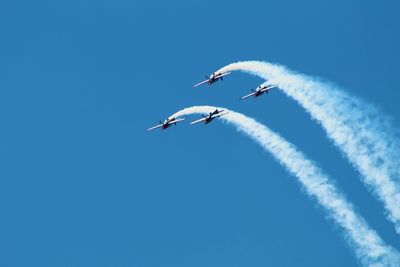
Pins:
<point x="369" y="247"/>
<point x="362" y="133"/>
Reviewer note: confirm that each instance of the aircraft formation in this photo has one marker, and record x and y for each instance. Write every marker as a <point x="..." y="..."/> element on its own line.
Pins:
<point x="260" y="90"/>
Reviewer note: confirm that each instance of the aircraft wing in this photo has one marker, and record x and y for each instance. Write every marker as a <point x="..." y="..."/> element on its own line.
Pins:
<point x="155" y="127"/>
<point x="177" y="120"/>
<point x="199" y="120"/>
<point x="269" y="87"/>
<point x="219" y="115"/>
<point x="222" y="74"/>
<point x="200" y="83"/>
<point x="246" y="96"/>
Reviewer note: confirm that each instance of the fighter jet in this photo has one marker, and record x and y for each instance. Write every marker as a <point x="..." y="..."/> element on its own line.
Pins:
<point x="259" y="91"/>
<point x="207" y="119"/>
<point x="213" y="78"/>
<point x="168" y="122"/>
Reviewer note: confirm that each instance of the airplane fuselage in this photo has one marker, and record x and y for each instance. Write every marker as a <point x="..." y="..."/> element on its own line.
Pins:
<point x="212" y="80"/>
<point x="166" y="125"/>
<point x="258" y="93"/>
<point x="209" y="119"/>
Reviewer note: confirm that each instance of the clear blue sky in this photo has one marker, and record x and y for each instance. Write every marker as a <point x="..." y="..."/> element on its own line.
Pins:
<point x="83" y="184"/>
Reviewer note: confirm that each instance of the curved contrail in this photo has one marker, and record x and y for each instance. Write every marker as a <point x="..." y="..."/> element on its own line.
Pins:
<point x="369" y="247"/>
<point x="365" y="136"/>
